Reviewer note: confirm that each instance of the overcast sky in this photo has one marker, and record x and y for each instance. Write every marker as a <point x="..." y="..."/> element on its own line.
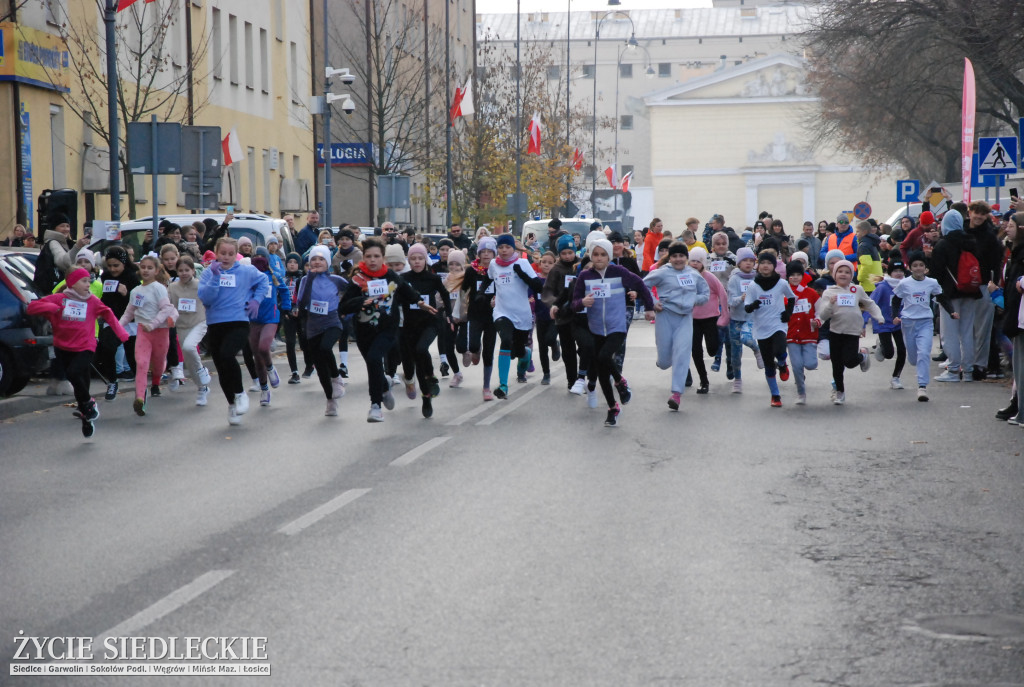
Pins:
<point x="493" y="6"/>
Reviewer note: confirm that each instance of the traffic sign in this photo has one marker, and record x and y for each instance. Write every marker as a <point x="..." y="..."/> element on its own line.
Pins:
<point x="862" y="210"/>
<point x="997" y="155"/>
<point x="907" y="190"/>
<point x="985" y="180"/>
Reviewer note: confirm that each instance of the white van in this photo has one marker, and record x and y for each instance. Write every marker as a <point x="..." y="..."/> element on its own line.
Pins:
<point x="257" y="227"/>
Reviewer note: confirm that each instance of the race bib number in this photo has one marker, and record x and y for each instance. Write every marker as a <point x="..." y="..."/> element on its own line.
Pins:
<point x="685" y="281"/>
<point x="719" y="265"/>
<point x="505" y="278"/>
<point x="744" y="285"/>
<point x="416" y="306"/>
<point x="186" y="305"/>
<point x="270" y="289"/>
<point x="802" y="305"/>
<point x="110" y="286"/>
<point x="600" y="290"/>
<point x="568" y="280"/>
<point x="138" y="299"/>
<point x="846" y="300"/>
<point x="919" y="298"/>
<point x="442" y="276"/>
<point x="113" y="231"/>
<point x="490" y="288"/>
<point x="377" y="287"/>
<point x="227" y="281"/>
<point x="766" y="300"/>
<point x="74" y="310"/>
<point x="318" y="307"/>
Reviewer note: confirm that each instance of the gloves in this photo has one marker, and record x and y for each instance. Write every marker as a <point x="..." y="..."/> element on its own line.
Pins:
<point x="751" y="307"/>
<point x="784" y="316"/>
<point x="252" y="308"/>
<point x="214" y="268"/>
<point x="517" y="268"/>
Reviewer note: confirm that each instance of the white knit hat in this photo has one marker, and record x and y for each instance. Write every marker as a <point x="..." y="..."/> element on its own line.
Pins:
<point x="321" y="252"/>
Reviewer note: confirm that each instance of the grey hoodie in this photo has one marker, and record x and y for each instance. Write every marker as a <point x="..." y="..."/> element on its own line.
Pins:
<point x="679" y="290"/>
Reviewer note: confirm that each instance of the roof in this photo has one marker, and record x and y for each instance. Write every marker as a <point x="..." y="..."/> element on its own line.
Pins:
<point x="704" y="22"/>
<point x="664" y="95"/>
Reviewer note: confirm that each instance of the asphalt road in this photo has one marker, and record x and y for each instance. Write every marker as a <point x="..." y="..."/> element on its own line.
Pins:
<point x="520" y="542"/>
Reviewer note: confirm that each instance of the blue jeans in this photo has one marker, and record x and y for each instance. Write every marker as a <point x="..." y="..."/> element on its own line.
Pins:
<point x="736" y="346"/>
<point x="917" y="335"/>
<point x="802" y="357"/>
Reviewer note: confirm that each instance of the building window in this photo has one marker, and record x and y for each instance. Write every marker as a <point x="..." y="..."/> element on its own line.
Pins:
<point x="250" y="158"/>
<point x="554" y="71"/>
<point x="293" y="56"/>
<point x="626" y="122"/>
<point x="588" y="122"/>
<point x="664" y="70"/>
<point x="250" y="63"/>
<point x="264" y="62"/>
<point x="278" y="20"/>
<point x="588" y="71"/>
<point x="588" y="171"/>
<point x="625" y="169"/>
<point x="57" y="149"/>
<point x="266" y="181"/>
<point x="233" y="49"/>
<point x="218" y="45"/>
<point x="626" y="71"/>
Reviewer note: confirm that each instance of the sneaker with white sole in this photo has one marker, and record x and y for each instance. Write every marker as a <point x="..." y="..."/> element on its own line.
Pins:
<point x="591" y="398"/>
<point x="265" y="397"/>
<point x="204" y="376"/>
<point x="922" y="394"/>
<point x="944" y="364"/>
<point x="949" y="376"/>
<point x="737" y="386"/>
<point x="111" y="392"/>
<point x="202" y="395"/>
<point x="759" y="359"/>
<point x="840" y="398"/>
<point x="332" y="408"/>
<point x="410" y="388"/>
<point x="865" y="359"/>
<point x="879" y="353"/>
<point x="275" y="378"/>
<point x="456" y="381"/>
<point x="896" y="384"/>
<point x="176" y="385"/>
<point x="241" y="403"/>
<point x="579" y="387"/>
<point x="612" y="419"/>
<point x="375" y="414"/>
<point x="255" y="388"/>
<point x="801" y="399"/>
<point x="337" y="387"/>
<point x="389" y="399"/>
<point x="233" y="416"/>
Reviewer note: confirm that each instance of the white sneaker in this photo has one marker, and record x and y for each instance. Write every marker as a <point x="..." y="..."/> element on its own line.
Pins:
<point x="255" y="388"/>
<point x="456" y="381"/>
<point x="840" y="398"/>
<point x="265" y="397"/>
<point x="895" y="384"/>
<point x="879" y="353"/>
<point x="759" y="359"/>
<point x="275" y="379"/>
<point x="202" y="395"/>
<point x="832" y="396"/>
<point x="865" y="359"/>
<point x="948" y="376"/>
<point x="338" y="388"/>
<point x="375" y="414"/>
<point x="178" y="372"/>
<point x="922" y="394"/>
<point x="65" y="389"/>
<point x="204" y="376"/>
<point x="176" y="385"/>
<point x="737" y="386"/>
<point x="241" y="403"/>
<point x="233" y="416"/>
<point x="579" y="387"/>
<point x="801" y="399"/>
<point x="944" y="364"/>
<point x="389" y="400"/>
<point x="332" y="408"/>
<point x="591" y="398"/>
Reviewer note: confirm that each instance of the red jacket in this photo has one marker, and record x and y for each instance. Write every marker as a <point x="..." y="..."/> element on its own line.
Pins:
<point x="73" y="331"/>
<point x="800" y="330"/>
<point x="651" y="241"/>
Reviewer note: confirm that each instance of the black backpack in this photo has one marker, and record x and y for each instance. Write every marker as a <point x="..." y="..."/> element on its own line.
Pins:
<point x="46" y="275"/>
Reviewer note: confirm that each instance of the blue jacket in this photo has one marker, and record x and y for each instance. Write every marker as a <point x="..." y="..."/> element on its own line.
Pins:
<point x="608" y="315"/>
<point x="305" y="239"/>
<point x="276" y="299"/>
<point x="882" y="295"/>
<point x="226" y="303"/>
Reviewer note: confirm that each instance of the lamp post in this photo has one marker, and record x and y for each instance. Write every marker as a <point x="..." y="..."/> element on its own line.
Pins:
<point x="649" y="73"/>
<point x="631" y="43"/>
<point x="109" y="20"/>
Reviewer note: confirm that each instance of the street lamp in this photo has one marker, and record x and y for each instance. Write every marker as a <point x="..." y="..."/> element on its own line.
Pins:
<point x="649" y="73"/>
<point x="631" y="43"/>
<point x="348" y="106"/>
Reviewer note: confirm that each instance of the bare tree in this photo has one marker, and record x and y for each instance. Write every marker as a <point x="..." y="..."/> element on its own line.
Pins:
<point x="11" y="13"/>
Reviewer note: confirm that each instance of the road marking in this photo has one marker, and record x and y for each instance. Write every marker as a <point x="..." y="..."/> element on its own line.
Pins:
<point x="296" y="526"/>
<point x="420" y="450"/>
<point x="469" y="416"/>
<point x="508" y="408"/>
<point x="168" y="604"/>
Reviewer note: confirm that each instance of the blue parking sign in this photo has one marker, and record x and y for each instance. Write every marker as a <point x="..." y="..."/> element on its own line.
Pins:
<point x="907" y="190"/>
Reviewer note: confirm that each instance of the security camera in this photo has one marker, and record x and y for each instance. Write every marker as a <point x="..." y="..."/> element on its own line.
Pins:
<point x="348" y="106"/>
<point x="348" y="79"/>
<point x="344" y="74"/>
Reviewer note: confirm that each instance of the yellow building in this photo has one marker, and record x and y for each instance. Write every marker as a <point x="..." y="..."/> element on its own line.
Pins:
<point x="236" y="64"/>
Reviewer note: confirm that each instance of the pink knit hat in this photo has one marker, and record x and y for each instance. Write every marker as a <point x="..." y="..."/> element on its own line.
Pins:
<point x="75" y="276"/>
<point x="417" y="249"/>
<point x="842" y="263"/>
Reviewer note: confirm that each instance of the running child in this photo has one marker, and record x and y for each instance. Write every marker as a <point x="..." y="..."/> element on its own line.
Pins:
<point x="294" y="327"/>
<point x="771" y="300"/>
<point x="740" y="331"/>
<point x="708" y="318"/>
<point x="482" y="332"/>
<point x="119" y="277"/>
<point x="890" y="336"/>
<point x="459" y="306"/>
<point x="421" y="327"/>
<point x="319" y="296"/>
<point x="722" y="263"/>
<point x="802" y="334"/>
<point x="576" y="341"/>
<point x="263" y="328"/>
<point x="191" y="325"/>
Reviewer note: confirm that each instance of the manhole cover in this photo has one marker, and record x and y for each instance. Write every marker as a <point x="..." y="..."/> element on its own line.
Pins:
<point x="974" y="625"/>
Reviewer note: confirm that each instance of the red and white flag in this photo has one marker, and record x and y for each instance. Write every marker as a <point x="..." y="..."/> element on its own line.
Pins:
<point x="626" y="178"/>
<point x="609" y="174"/>
<point x="462" y="104"/>
<point x="125" y="4"/>
<point x="577" y="160"/>
<point x="232" y="148"/>
<point x="534" y="147"/>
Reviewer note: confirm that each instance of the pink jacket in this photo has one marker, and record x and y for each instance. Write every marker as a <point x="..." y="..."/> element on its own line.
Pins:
<point x="69" y="332"/>
<point x="718" y="303"/>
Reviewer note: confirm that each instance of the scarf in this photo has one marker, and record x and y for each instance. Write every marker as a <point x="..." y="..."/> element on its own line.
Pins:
<point x="476" y="267"/>
<point x="347" y="252"/>
<point x="506" y="263"/>
<point x="769" y="282"/>
<point x="370" y="273"/>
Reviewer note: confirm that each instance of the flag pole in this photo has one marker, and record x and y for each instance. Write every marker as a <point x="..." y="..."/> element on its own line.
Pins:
<point x="327" y="154"/>
<point x="448" y="124"/>
<point x="519" y="127"/>
<point x="109" y="19"/>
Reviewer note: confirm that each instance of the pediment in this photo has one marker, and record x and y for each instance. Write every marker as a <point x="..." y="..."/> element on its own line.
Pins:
<point x="775" y="77"/>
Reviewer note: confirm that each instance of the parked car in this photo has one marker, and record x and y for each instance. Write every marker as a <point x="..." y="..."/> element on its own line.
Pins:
<point x="257" y="227"/>
<point x="24" y="340"/>
<point x="539" y="228"/>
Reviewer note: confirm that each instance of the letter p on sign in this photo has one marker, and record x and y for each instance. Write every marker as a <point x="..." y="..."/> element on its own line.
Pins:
<point x="907" y="190"/>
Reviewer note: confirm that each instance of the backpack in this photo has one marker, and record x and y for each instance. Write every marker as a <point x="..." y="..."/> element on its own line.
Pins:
<point x="46" y="275"/>
<point x="968" y="273"/>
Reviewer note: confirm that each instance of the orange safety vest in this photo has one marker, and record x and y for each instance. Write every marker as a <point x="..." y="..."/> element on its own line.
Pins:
<point x="846" y="245"/>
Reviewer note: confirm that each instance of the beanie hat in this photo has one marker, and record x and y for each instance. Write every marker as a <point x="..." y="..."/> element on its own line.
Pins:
<point x="794" y="267"/>
<point x="834" y="253"/>
<point x="697" y="255"/>
<point x="394" y="253"/>
<point x="927" y="217"/>
<point x="594" y="235"/>
<point x="487" y="243"/>
<point x="952" y="221"/>
<point x="75" y="276"/>
<point x="273" y="239"/>
<point x="595" y="226"/>
<point x="86" y="254"/>
<point x="243" y="260"/>
<point x="555" y="223"/>
<point x="322" y="252"/>
<point x="244" y="240"/>
<point x="916" y="256"/>
<point x="678" y="248"/>
<point x="616" y="237"/>
<point x="803" y="244"/>
<point x="565" y="242"/>
<point x="745" y="254"/>
<point x="457" y="256"/>
<point x="262" y="250"/>
<point x="766" y="256"/>
<point x="800" y="255"/>
<point x="841" y="263"/>
<point x="446" y="242"/>
<point x="346" y="234"/>
<point x="896" y="264"/>
<point x="261" y="263"/>
<point x="58" y="218"/>
<point x="293" y="256"/>
<point x="417" y="249"/>
<point x="842" y="218"/>
<point x="211" y="224"/>
<point x="208" y="257"/>
<point x="506" y="240"/>
<point x="602" y="243"/>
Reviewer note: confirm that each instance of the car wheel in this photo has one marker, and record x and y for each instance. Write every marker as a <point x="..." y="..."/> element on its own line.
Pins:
<point x="7" y="373"/>
<point x="18" y="384"/>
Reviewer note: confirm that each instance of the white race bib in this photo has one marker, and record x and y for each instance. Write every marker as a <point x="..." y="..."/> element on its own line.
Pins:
<point x="186" y="305"/>
<point x="442" y="275"/>
<point x="600" y="290"/>
<point x="568" y="280"/>
<point x="505" y="278"/>
<point x="113" y="231"/>
<point x="138" y="299"/>
<point x="919" y="298"/>
<point x="490" y="288"/>
<point x="766" y="300"/>
<point x="719" y="265"/>
<point x="377" y="287"/>
<point x="685" y="280"/>
<point x="318" y="307"/>
<point x="744" y="285"/>
<point x="227" y="281"/>
<point x="802" y="305"/>
<point x="75" y="311"/>
<point x="846" y="300"/>
<point x="110" y="286"/>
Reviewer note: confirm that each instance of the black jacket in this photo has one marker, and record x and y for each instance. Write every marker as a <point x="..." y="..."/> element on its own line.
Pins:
<point x="989" y="250"/>
<point x="946" y="258"/>
<point x="1011" y="298"/>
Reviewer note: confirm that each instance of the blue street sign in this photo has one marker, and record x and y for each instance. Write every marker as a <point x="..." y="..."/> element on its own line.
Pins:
<point x="984" y="180"/>
<point x="997" y="155"/>
<point x="907" y="190"/>
<point x="345" y="154"/>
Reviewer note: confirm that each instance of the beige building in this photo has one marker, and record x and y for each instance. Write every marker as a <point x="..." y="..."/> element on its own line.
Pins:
<point x="249" y="71"/>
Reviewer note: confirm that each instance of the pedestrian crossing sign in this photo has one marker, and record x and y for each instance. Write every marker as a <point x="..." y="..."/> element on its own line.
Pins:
<point x="997" y="155"/>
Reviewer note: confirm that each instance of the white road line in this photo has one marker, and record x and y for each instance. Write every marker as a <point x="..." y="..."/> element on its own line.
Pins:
<point x="168" y="604"/>
<point x="420" y="450"/>
<point x="470" y="415"/>
<point x="509" y="407"/>
<point x="296" y="526"/>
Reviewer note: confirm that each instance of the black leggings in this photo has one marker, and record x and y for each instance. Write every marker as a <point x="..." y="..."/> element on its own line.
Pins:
<point x="586" y="347"/>
<point x="605" y="366"/>
<point x="224" y="340"/>
<point x="569" y="357"/>
<point x="374" y="345"/>
<point x="512" y="339"/>
<point x="295" y="329"/>
<point x="844" y="350"/>
<point x="704" y="330"/>
<point x="106" y="353"/>
<point x="76" y="366"/>
<point x="773" y="348"/>
<point x="322" y="348"/>
<point x="249" y="360"/>
<point x="483" y="332"/>
<point x="446" y="344"/>
<point x="416" y="357"/>
<point x="547" y="335"/>
<point x="172" y="348"/>
<point x="887" y="339"/>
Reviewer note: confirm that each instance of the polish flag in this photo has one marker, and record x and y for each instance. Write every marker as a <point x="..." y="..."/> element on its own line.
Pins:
<point x="125" y="4"/>
<point x="232" y="148"/>
<point x="609" y="174"/>
<point x="626" y="178"/>
<point x="577" y="160"/>
<point x="535" y="128"/>
<point x="462" y="104"/>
